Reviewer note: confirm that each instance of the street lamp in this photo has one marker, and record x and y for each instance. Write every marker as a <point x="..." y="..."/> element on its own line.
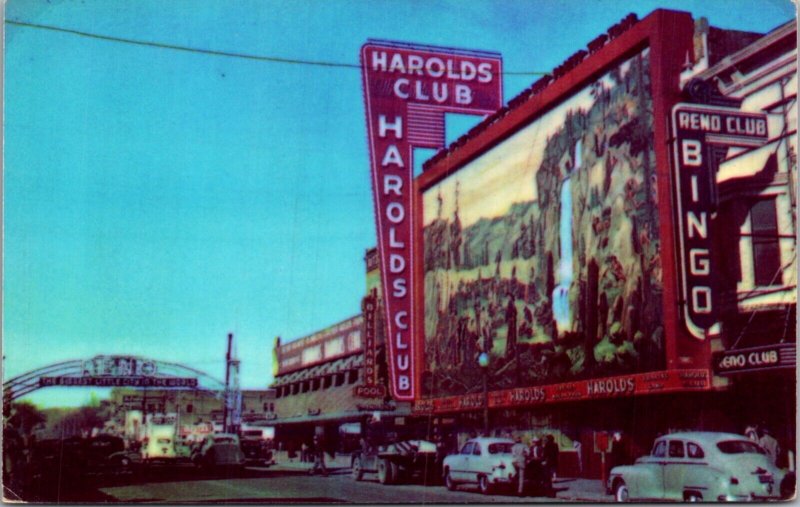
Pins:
<point x="483" y="362"/>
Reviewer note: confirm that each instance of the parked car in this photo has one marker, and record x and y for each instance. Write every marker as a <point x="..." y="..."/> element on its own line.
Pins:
<point x="698" y="466"/>
<point x="103" y="454"/>
<point x="220" y="450"/>
<point x="484" y="461"/>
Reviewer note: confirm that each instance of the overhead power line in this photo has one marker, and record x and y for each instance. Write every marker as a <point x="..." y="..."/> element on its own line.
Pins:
<point x="213" y="52"/>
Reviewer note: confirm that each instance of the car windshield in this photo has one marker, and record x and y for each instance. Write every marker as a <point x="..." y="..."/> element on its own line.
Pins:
<point x="502" y="448"/>
<point x="223" y="440"/>
<point x="740" y="447"/>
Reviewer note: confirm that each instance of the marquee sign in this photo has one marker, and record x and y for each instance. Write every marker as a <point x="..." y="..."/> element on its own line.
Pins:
<point x="771" y="357"/>
<point x="121" y="366"/>
<point x="370" y="387"/>
<point x="696" y="129"/>
<point x="591" y="389"/>
<point x="407" y="90"/>
<point x="117" y="381"/>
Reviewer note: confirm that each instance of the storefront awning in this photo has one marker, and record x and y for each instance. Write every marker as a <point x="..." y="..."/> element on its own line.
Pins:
<point x="337" y="366"/>
<point x="336" y="416"/>
<point x="747" y="164"/>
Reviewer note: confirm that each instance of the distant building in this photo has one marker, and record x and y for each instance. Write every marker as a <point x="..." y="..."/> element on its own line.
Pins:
<point x="191" y="406"/>
<point x="332" y="381"/>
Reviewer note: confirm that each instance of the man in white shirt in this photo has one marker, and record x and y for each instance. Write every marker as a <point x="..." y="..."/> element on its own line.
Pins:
<point x="519" y="453"/>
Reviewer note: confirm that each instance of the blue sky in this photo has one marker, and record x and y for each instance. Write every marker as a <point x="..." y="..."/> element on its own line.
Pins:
<point x="155" y="200"/>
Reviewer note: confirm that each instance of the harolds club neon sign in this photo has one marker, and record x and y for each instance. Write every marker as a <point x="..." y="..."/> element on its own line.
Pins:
<point x="408" y="89"/>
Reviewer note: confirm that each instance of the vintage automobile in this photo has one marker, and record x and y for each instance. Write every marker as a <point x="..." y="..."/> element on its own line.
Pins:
<point x="220" y="450"/>
<point x="398" y="462"/>
<point x="256" y="449"/>
<point x="102" y="454"/>
<point x="484" y="461"/>
<point x="698" y="466"/>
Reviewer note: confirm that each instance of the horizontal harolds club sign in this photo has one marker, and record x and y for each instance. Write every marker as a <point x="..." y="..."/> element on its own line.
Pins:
<point x="408" y="89"/>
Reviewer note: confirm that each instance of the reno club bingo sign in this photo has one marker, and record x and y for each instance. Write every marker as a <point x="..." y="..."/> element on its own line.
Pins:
<point x="408" y="89"/>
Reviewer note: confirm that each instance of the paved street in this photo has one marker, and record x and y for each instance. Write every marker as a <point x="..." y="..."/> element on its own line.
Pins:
<point x="291" y="483"/>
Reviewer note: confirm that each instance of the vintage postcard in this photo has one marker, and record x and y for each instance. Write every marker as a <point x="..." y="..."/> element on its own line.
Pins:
<point x="445" y="252"/>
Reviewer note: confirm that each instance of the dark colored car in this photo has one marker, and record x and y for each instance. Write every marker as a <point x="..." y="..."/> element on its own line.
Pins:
<point x="257" y="451"/>
<point x="220" y="450"/>
<point x="75" y="455"/>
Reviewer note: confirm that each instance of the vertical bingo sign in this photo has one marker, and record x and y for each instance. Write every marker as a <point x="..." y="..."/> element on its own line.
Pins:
<point x="698" y="131"/>
<point x="407" y="90"/>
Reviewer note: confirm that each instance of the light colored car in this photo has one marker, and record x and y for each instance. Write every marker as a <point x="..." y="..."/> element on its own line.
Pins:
<point x="698" y="466"/>
<point x="159" y="443"/>
<point x="484" y="461"/>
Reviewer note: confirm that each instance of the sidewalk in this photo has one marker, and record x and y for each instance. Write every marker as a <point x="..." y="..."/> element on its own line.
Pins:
<point x="339" y="464"/>
<point x="581" y="490"/>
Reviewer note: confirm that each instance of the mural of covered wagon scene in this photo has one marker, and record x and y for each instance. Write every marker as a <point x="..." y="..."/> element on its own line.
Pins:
<point x="544" y="251"/>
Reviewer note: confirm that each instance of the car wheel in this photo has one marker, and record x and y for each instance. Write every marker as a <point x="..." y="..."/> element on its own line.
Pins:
<point x="788" y="486"/>
<point x="358" y="472"/>
<point x="484" y="485"/>
<point x="448" y="481"/>
<point x="693" y="496"/>
<point x="621" y="492"/>
<point x="384" y="472"/>
<point x="394" y="472"/>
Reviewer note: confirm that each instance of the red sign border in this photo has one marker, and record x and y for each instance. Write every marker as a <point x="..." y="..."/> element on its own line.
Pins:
<point x="669" y="35"/>
<point x="413" y="200"/>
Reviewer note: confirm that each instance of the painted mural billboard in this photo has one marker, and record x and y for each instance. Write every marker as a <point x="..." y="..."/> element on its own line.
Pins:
<point x="544" y="250"/>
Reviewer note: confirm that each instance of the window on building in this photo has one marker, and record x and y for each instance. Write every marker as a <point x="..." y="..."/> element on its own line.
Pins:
<point x="266" y="407"/>
<point x="315" y="384"/>
<point x="272" y="407"/>
<point x="189" y="408"/>
<point x="328" y="381"/>
<point x="294" y="389"/>
<point x="352" y="376"/>
<point x="279" y="392"/>
<point x="766" y="244"/>
<point x="339" y="379"/>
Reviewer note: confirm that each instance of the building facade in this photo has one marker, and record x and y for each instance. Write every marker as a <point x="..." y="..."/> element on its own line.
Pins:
<point x="606" y="266"/>
<point x="189" y="408"/>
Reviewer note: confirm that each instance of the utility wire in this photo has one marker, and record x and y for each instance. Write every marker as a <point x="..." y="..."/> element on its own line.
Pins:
<point x="213" y="52"/>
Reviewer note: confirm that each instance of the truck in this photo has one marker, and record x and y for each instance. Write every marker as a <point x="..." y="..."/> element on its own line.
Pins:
<point x="395" y="455"/>
<point x="159" y="440"/>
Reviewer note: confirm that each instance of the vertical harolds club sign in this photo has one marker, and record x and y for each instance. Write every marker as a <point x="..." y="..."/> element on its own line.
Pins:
<point x="408" y="89"/>
<point x="697" y="129"/>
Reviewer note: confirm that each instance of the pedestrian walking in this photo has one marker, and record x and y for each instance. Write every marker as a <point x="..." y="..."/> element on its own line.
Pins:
<point x="619" y="454"/>
<point x="536" y="452"/>
<point x="519" y="453"/>
<point x="551" y="455"/>
<point x="770" y="444"/>
<point x="318" y="450"/>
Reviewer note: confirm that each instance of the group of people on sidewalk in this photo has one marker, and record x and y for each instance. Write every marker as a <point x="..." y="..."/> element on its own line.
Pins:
<point x="543" y="454"/>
